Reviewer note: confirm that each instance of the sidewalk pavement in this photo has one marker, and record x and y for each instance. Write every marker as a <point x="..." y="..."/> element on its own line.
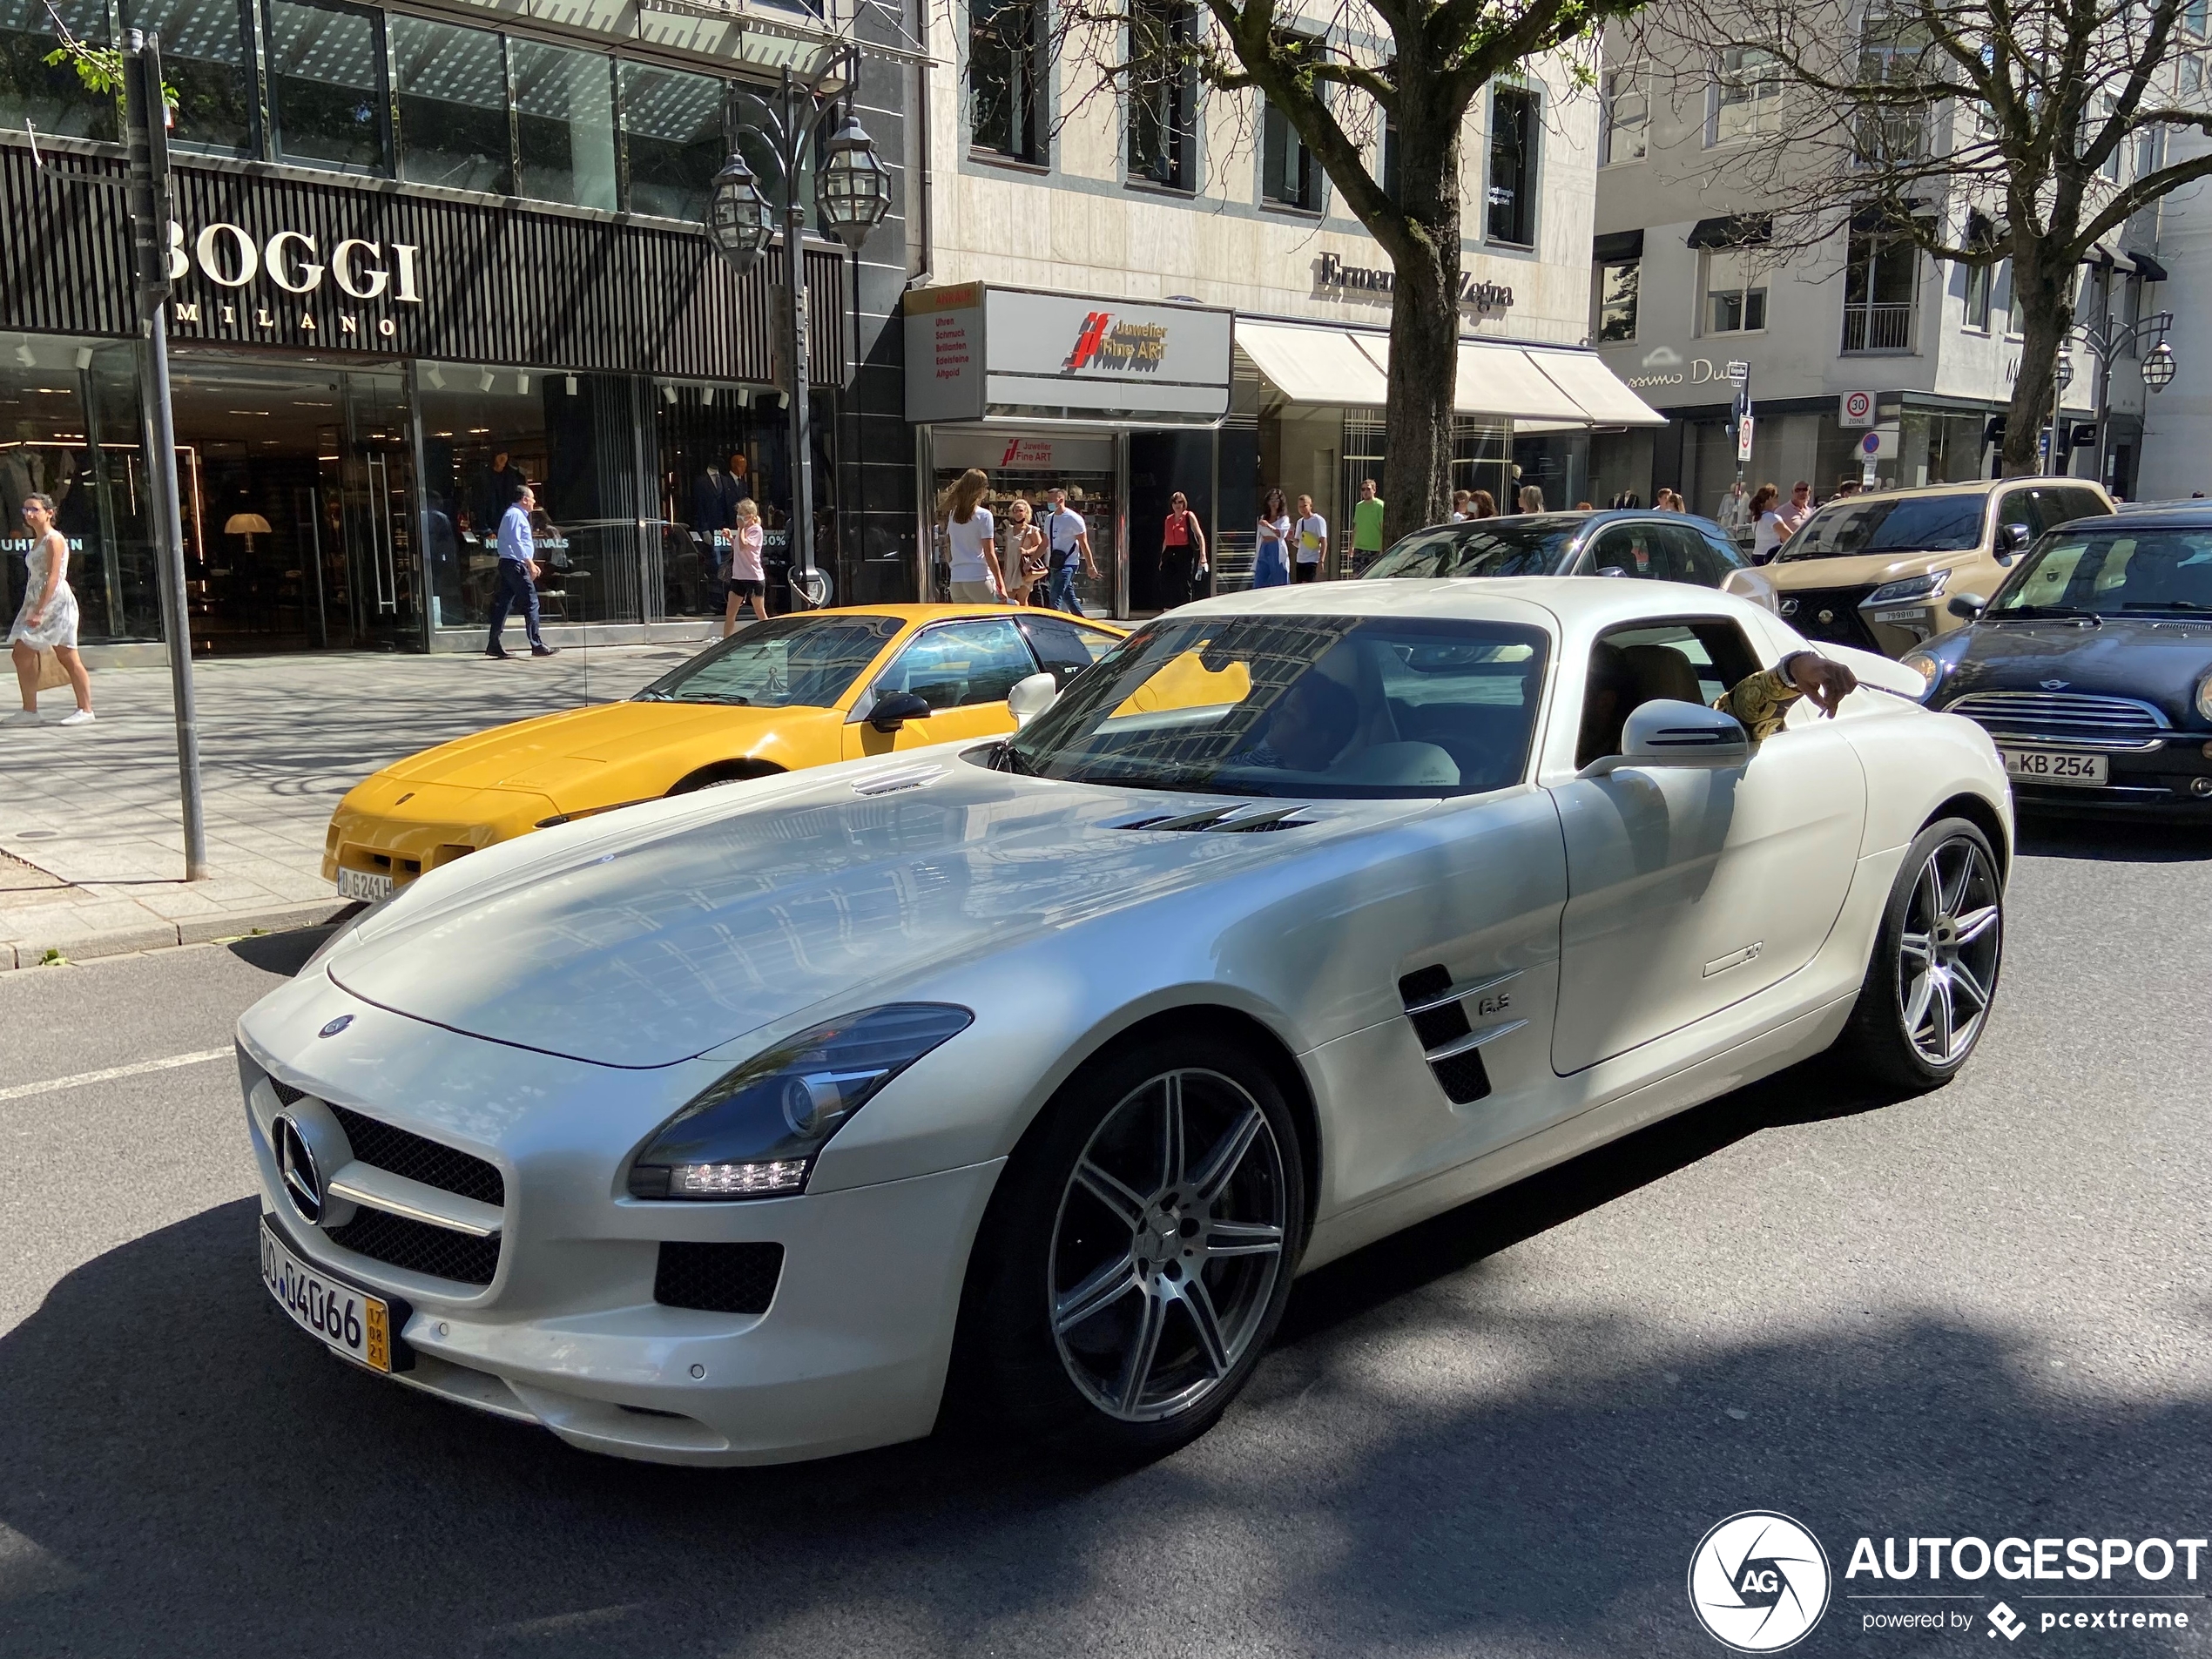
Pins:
<point x="92" y="844"/>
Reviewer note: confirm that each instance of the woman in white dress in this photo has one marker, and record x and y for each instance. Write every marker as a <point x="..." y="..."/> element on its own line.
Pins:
<point x="48" y="619"/>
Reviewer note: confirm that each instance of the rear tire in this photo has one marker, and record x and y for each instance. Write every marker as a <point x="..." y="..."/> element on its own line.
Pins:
<point x="1137" y="1256"/>
<point x="1933" y="977"/>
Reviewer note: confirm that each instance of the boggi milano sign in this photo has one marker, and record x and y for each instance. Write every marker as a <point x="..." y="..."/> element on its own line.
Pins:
<point x="289" y="286"/>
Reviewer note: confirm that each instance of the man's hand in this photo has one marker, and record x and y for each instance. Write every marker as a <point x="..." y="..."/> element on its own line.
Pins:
<point x="534" y="569"/>
<point x="1826" y="681"/>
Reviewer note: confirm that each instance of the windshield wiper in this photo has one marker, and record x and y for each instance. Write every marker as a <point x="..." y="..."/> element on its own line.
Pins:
<point x="2036" y="613"/>
<point x="2163" y="604"/>
<point x="1005" y="757"/>
<point x="648" y="695"/>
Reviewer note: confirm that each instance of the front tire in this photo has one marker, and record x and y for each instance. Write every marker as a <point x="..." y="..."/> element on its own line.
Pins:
<point x="1933" y="977"/>
<point x="1138" y="1253"/>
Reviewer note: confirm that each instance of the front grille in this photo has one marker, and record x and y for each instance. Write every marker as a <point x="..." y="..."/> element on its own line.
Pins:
<point x="718" y="1279"/>
<point x="2059" y="714"/>
<point x="286" y="1094"/>
<point x="1806" y="608"/>
<point x="438" y="1252"/>
<point x="420" y="1159"/>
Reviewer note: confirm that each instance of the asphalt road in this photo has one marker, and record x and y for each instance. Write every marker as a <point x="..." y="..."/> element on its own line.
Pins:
<point x="1982" y="1310"/>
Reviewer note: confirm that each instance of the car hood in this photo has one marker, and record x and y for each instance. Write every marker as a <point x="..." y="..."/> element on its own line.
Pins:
<point x="2158" y="662"/>
<point x="533" y="754"/>
<point x="1864" y="570"/>
<point x="652" y="936"/>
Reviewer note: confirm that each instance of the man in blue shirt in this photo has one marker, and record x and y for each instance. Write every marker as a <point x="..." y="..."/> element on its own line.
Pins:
<point x="517" y="576"/>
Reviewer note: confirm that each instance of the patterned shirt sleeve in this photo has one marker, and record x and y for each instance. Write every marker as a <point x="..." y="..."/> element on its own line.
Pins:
<point x="1760" y="702"/>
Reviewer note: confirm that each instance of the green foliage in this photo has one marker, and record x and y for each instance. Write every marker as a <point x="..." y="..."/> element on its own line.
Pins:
<point x="99" y="68"/>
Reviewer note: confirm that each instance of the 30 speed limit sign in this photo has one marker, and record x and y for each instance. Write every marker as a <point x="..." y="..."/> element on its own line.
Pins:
<point x="1858" y="408"/>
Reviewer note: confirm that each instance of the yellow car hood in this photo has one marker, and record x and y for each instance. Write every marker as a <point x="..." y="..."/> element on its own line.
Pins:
<point x="557" y="751"/>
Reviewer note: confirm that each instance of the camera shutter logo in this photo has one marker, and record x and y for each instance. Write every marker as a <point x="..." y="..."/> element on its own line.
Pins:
<point x="1759" y="1581"/>
<point x="296" y="1165"/>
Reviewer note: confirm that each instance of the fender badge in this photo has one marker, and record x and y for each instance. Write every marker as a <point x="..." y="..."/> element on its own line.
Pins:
<point x="336" y="1026"/>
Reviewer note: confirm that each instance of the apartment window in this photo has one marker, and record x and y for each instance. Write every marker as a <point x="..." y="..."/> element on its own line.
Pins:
<point x="564" y="110"/>
<point x="1005" y="59"/>
<point x="1289" y="175"/>
<point x="2003" y="300"/>
<point x="2192" y="77"/>
<point x="203" y="55"/>
<point x="49" y="96"/>
<point x="1981" y="282"/>
<point x="2107" y="106"/>
<point x="671" y="124"/>
<point x="1512" y="167"/>
<point x="1616" y="301"/>
<point x="1624" y="133"/>
<point x="1389" y="157"/>
<point x="2150" y="151"/>
<point x="327" y="85"/>
<point x="1880" y="283"/>
<point x="1735" y="293"/>
<point x="1746" y="96"/>
<point x="451" y="85"/>
<point x="1163" y="95"/>
<point x="2192" y="16"/>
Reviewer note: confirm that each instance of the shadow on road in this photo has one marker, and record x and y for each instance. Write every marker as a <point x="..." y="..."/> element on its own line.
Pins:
<point x="182" y="1473"/>
<point x="287" y="953"/>
<point x="2045" y="834"/>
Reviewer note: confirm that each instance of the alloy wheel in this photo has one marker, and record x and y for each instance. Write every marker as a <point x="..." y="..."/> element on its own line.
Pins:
<point x="1168" y="1244"/>
<point x="1947" y="953"/>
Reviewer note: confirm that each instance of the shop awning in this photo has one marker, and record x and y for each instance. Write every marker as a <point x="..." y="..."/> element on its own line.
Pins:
<point x="1602" y="395"/>
<point x="1732" y="230"/>
<point x="1540" y="387"/>
<point x="1313" y="365"/>
<point x="1616" y="248"/>
<point x="2148" y="268"/>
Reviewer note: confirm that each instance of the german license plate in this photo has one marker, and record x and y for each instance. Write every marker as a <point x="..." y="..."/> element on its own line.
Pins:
<point x="364" y="884"/>
<point x="356" y="1323"/>
<point x="2057" y="766"/>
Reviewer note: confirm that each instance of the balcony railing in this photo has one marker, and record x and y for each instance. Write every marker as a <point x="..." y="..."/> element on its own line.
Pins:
<point x="1877" y="329"/>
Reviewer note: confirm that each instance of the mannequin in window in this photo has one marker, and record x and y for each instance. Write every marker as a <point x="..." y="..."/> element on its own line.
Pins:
<point x="495" y="487"/>
<point x="739" y="479"/>
<point x="714" y="503"/>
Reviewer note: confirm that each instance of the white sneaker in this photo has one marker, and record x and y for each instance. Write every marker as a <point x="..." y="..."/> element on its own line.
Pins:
<point x="78" y="716"/>
<point x="22" y="717"/>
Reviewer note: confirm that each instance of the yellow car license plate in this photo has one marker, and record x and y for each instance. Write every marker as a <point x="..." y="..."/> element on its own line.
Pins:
<point x="357" y="1325"/>
<point x="364" y="884"/>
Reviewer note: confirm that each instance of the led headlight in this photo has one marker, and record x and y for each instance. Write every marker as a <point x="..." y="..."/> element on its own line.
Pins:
<point x="1929" y="669"/>
<point x="2204" y="698"/>
<point x="754" y="1133"/>
<point x="1910" y="588"/>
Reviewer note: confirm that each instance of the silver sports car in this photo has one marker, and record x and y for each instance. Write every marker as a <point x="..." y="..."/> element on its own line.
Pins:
<point x="757" y="1123"/>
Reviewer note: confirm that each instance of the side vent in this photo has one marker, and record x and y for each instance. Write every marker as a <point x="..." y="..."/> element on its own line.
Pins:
<point x="1451" y="1042"/>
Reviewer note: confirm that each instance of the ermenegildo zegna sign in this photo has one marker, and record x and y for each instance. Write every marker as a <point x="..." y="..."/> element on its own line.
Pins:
<point x="267" y="261"/>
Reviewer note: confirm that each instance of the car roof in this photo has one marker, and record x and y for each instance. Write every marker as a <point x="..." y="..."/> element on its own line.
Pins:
<point x="1583" y="518"/>
<point x="2178" y="516"/>
<point x="1964" y="487"/>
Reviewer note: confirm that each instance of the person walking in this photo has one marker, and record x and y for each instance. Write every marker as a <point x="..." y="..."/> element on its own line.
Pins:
<point x="1734" y="514"/>
<point x="1367" y="526"/>
<point x="1799" y="509"/>
<point x="748" y="581"/>
<point x="1021" y="553"/>
<point x="1767" y="533"/>
<point x="1182" y="553"/>
<point x="1271" y="550"/>
<point x="971" y="538"/>
<point x="517" y="576"/>
<point x="1313" y="533"/>
<point x="1067" y="539"/>
<point x="48" y="619"/>
<point x="1532" y="498"/>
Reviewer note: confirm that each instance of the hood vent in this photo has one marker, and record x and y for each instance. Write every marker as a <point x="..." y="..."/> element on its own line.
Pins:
<point x="886" y="783"/>
<point x="1237" y="819"/>
<point x="1452" y="1042"/>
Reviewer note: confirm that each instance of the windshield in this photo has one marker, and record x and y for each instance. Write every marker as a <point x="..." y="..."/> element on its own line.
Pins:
<point x="1889" y="524"/>
<point x="806" y="662"/>
<point x="1347" y="707"/>
<point x="2110" y="572"/>
<point x="1527" y="546"/>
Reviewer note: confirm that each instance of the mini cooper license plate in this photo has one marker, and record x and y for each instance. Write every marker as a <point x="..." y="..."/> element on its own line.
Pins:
<point x="357" y="1325"/>
<point x="363" y="884"/>
<point x="2057" y="766"/>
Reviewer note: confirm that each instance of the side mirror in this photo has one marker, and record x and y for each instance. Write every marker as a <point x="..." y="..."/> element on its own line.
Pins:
<point x="1031" y="697"/>
<point x="1967" y="606"/>
<point x="893" y="709"/>
<point x="1666" y="733"/>
<point x="2010" y="538"/>
<point x="1611" y="570"/>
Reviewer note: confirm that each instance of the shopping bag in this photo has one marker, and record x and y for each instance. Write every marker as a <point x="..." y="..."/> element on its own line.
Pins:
<point x="52" y="675"/>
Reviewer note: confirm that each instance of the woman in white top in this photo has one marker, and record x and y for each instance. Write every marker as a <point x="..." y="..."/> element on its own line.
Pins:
<point x="971" y="542"/>
<point x="48" y="619"/>
<point x="1770" y="533"/>
<point x="1270" y="554"/>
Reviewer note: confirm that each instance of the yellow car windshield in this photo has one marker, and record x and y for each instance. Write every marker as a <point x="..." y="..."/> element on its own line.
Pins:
<point x="804" y="662"/>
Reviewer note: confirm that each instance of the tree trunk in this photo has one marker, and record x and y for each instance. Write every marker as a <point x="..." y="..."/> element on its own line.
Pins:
<point x="2043" y="311"/>
<point x="1424" y="318"/>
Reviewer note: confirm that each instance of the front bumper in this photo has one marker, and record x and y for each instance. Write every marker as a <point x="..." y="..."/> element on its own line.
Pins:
<point x="385" y="828"/>
<point x="2158" y="778"/>
<point x="851" y="1351"/>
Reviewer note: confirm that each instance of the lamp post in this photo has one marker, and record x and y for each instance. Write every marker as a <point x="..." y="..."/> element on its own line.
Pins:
<point x="852" y="194"/>
<point x="2159" y="367"/>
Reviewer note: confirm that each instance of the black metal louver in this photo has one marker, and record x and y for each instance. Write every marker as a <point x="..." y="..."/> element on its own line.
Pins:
<point x="1436" y="1006"/>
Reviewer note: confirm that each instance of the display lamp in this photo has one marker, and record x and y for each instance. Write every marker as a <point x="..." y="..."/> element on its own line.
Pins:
<point x="738" y="218"/>
<point x="853" y="186"/>
<point x="2158" y="367"/>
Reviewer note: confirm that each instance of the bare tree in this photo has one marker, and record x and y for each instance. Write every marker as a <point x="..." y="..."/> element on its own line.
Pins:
<point x="1976" y="131"/>
<point x="1345" y="76"/>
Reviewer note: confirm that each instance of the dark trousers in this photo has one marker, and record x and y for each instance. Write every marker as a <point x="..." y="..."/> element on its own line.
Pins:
<point x="515" y="588"/>
<point x="1175" y="574"/>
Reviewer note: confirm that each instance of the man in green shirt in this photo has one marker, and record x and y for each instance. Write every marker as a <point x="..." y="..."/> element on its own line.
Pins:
<point x="1367" y="526"/>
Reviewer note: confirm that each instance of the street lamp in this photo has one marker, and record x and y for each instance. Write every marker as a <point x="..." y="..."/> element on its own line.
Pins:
<point x="2158" y="367"/>
<point x="852" y="194"/>
<point x="2105" y="344"/>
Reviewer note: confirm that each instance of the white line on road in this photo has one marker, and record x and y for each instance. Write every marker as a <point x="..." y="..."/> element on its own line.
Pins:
<point x="19" y="1091"/>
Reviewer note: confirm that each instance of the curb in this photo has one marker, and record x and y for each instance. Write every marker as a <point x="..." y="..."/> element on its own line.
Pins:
<point x="195" y="930"/>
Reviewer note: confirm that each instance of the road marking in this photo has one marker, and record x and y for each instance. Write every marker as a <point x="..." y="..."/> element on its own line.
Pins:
<point x="20" y="1091"/>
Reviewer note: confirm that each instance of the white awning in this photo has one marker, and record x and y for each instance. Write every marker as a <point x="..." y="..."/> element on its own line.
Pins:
<point x="1603" y="395"/>
<point x="1313" y="365"/>
<point x="1497" y="379"/>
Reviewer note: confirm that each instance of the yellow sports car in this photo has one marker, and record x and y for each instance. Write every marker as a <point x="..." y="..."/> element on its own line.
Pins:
<point x="798" y="690"/>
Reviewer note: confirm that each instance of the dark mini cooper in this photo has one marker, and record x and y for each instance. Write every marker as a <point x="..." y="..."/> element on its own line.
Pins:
<point x="2091" y="666"/>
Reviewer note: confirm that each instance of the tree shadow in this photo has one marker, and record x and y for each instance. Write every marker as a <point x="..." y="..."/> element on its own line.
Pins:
<point x="2045" y="832"/>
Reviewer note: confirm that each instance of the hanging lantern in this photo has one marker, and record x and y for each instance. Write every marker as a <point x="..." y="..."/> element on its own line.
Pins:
<point x="2158" y="367"/>
<point x="853" y="186"/>
<point x="738" y="219"/>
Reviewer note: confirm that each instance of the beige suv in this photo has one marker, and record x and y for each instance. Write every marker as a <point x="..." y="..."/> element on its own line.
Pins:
<point x="1879" y="571"/>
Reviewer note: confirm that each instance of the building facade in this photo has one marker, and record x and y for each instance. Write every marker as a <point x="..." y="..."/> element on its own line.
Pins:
<point x="420" y="256"/>
<point x="2177" y="437"/>
<point x="1145" y="289"/>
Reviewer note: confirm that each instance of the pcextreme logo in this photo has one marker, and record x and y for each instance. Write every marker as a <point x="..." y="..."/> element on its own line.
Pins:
<point x="1759" y="1581"/>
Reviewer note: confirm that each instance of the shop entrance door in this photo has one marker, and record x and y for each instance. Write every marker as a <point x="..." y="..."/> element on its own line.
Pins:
<point x="380" y="606"/>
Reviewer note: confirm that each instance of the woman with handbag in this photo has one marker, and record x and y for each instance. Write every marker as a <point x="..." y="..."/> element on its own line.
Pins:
<point x="1182" y="552"/>
<point x="1272" y="558"/>
<point x="46" y="626"/>
<point x="1021" y="553"/>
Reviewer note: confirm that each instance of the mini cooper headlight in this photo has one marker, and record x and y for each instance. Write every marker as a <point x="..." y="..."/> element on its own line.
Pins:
<point x="754" y="1134"/>
<point x="1929" y="669"/>
<point x="2204" y="698"/>
<point x="1909" y="588"/>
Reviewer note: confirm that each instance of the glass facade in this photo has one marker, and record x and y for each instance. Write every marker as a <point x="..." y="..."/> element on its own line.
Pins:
<point x="203" y="55"/>
<point x="672" y="127"/>
<point x="327" y="86"/>
<point x="564" y="125"/>
<point x="450" y="90"/>
<point x="50" y="95"/>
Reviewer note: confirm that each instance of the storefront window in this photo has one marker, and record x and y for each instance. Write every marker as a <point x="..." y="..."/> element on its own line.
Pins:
<point x="565" y="113"/>
<point x="452" y="87"/>
<point x="50" y="95"/>
<point x="327" y="85"/>
<point x="1162" y="128"/>
<point x="673" y="122"/>
<point x="204" y="57"/>
<point x="1513" y="166"/>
